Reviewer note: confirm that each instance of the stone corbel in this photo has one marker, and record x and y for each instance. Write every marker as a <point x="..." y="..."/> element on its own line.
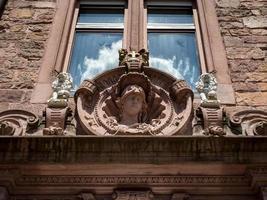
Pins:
<point x="58" y="112"/>
<point x="212" y="120"/>
<point x="210" y="112"/>
<point x="249" y="122"/>
<point x="18" y="122"/>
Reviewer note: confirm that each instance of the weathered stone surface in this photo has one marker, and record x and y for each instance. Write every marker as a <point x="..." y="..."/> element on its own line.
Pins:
<point x="251" y="98"/>
<point x="24" y="29"/>
<point x="245" y="53"/>
<point x="230" y="41"/>
<point x="228" y="3"/>
<point x="21" y="13"/>
<point x="247" y="87"/>
<point x="255" y="39"/>
<point x="257" y="76"/>
<point x="255" y="22"/>
<point x="11" y="95"/>
<point x="246" y="65"/>
<point x="262" y="87"/>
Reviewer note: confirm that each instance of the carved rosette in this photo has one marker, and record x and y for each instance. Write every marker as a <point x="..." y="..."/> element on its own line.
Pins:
<point x="169" y="108"/>
<point x="249" y="122"/>
<point x="17" y="122"/>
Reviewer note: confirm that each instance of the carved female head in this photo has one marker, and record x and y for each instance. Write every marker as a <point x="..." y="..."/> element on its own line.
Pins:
<point x="132" y="105"/>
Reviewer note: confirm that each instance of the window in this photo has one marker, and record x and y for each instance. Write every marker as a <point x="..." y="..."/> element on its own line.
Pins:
<point x="181" y="36"/>
<point x="172" y="41"/>
<point x="97" y="39"/>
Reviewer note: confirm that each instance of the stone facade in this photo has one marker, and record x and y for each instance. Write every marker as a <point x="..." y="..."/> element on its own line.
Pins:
<point x="25" y="27"/>
<point x="62" y="150"/>
<point x="24" y="30"/>
<point x="243" y="26"/>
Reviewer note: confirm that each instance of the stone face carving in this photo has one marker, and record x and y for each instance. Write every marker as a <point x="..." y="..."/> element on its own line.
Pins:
<point x="127" y="102"/>
<point x="18" y="122"/>
<point x="207" y="88"/>
<point x="249" y="122"/>
<point x="61" y="91"/>
<point x="134" y="61"/>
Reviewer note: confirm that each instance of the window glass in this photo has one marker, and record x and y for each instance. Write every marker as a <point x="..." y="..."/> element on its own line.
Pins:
<point x="98" y="37"/>
<point x="93" y="53"/>
<point x="170" y="16"/>
<point x="172" y="42"/>
<point x="101" y="16"/>
<point x="175" y="53"/>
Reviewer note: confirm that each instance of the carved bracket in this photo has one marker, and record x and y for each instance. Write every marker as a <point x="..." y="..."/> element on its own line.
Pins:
<point x="212" y="120"/>
<point x="55" y="120"/>
<point x="249" y="122"/>
<point x="17" y="122"/>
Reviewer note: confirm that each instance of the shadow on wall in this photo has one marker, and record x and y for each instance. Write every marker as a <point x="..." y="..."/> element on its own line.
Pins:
<point x="3" y="194"/>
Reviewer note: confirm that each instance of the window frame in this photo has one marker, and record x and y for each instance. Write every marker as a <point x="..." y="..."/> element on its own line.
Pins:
<point x="135" y="37"/>
<point x="172" y="28"/>
<point x="92" y="27"/>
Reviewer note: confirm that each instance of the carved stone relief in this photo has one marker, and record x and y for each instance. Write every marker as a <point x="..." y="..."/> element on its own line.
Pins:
<point x="57" y="112"/>
<point x="128" y="102"/>
<point x="18" y="122"/>
<point x="210" y="113"/>
<point x="249" y="122"/>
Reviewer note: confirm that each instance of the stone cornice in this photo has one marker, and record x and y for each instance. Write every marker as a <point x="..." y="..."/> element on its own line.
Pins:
<point x="133" y="149"/>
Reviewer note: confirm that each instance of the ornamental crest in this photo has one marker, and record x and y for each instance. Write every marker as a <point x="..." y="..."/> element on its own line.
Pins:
<point x="123" y="101"/>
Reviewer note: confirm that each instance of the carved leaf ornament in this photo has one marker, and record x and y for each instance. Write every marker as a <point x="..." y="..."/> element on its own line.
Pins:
<point x="17" y="122"/>
<point x="249" y="122"/>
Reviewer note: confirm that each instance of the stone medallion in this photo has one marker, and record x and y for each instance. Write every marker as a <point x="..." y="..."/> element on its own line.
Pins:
<point x="123" y="102"/>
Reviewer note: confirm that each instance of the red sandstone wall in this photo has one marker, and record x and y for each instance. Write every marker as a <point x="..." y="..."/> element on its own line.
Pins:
<point x="25" y="26"/>
<point x="244" y="29"/>
<point x="24" y="29"/>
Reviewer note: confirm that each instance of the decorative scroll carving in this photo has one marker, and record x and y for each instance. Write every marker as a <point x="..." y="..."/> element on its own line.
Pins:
<point x="132" y="195"/>
<point x="132" y="60"/>
<point x="134" y="103"/>
<point x="210" y="112"/>
<point x="249" y="122"/>
<point x="18" y="122"/>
